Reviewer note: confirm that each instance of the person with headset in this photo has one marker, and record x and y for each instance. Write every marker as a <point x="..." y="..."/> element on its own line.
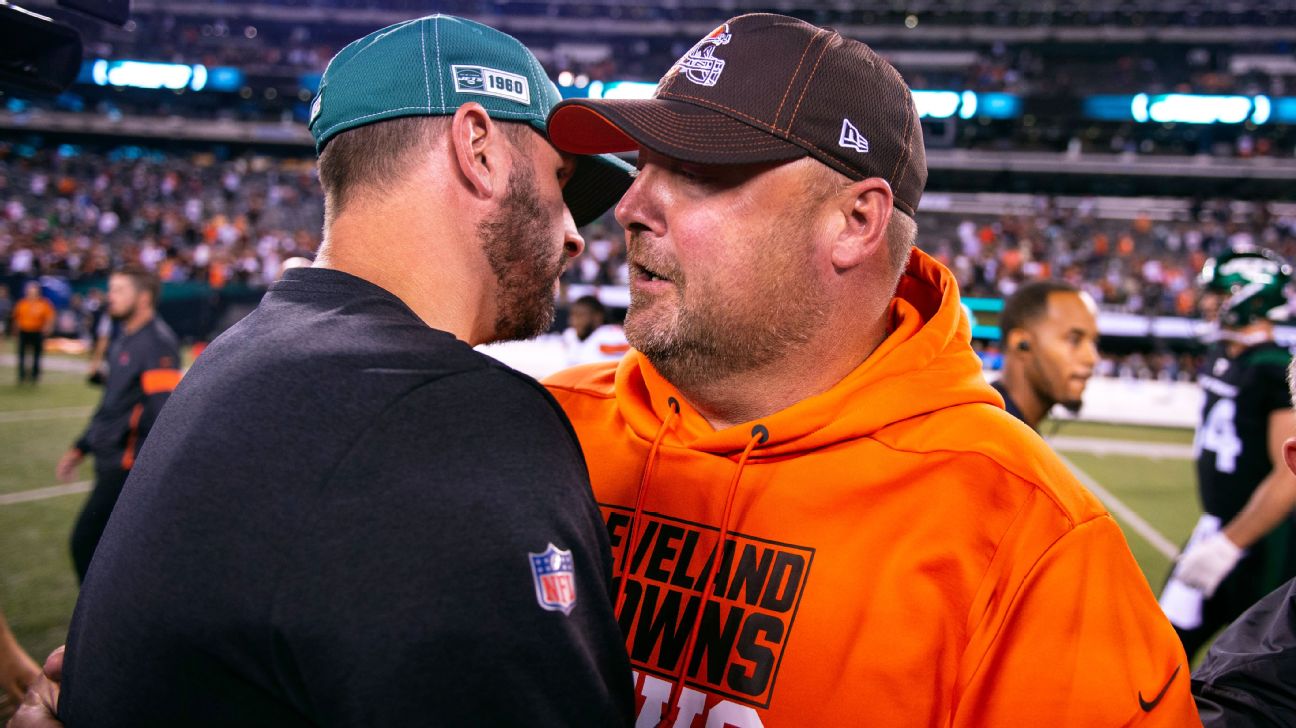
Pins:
<point x="1049" y="330"/>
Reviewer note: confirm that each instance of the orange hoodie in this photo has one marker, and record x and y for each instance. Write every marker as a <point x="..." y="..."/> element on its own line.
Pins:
<point x="899" y="551"/>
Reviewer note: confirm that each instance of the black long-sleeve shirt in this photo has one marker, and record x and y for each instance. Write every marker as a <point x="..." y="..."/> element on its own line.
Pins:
<point x="346" y="518"/>
<point x="143" y="369"/>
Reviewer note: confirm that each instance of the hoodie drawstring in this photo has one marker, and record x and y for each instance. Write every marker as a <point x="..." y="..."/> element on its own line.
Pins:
<point x="670" y="711"/>
<point x="628" y="554"/>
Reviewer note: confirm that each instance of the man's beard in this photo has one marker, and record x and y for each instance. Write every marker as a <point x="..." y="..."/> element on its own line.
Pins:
<point x="520" y="248"/>
<point x="124" y="315"/>
<point x="717" y="331"/>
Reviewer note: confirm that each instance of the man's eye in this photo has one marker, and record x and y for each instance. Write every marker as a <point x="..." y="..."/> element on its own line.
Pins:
<point x="691" y="175"/>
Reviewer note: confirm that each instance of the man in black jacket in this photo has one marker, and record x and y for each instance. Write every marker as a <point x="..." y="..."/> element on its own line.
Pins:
<point x="143" y="369"/>
<point x="346" y="515"/>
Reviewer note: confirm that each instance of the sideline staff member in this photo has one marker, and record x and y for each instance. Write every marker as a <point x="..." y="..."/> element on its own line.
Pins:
<point x="143" y="369"/>
<point x="33" y="318"/>
<point x="1049" y="331"/>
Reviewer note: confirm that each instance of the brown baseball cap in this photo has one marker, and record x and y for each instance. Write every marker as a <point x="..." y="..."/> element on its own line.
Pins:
<point x="764" y="88"/>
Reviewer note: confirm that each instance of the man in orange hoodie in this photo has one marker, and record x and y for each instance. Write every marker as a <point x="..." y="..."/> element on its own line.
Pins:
<point x="819" y="511"/>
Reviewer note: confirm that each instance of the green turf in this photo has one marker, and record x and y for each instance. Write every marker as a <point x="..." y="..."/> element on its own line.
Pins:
<point x="59" y="408"/>
<point x="1162" y="492"/>
<point x="37" y="584"/>
<point x="41" y="444"/>
<point x="1133" y="433"/>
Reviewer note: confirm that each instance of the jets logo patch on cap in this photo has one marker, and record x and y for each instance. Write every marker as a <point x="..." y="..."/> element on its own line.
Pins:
<point x="491" y="82"/>
<point x="700" y="65"/>
<point x="554" y="573"/>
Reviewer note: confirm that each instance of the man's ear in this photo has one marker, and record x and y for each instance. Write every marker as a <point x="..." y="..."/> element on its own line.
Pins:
<point x="1289" y="453"/>
<point x="865" y="207"/>
<point x="475" y="144"/>
<point x="1018" y="341"/>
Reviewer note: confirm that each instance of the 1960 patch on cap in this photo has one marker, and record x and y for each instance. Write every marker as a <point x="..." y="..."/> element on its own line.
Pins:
<point x="433" y="65"/>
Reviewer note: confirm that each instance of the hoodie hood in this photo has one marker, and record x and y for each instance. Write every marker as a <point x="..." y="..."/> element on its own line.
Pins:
<point x="925" y="364"/>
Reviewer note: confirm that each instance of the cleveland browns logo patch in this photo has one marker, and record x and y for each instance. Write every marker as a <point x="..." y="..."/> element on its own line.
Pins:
<point x="747" y="622"/>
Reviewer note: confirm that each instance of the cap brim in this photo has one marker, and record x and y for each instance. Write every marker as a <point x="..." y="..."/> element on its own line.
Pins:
<point x="676" y="129"/>
<point x="597" y="183"/>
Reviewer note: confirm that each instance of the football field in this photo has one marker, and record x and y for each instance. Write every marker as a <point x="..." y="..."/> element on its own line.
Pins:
<point x="1144" y="474"/>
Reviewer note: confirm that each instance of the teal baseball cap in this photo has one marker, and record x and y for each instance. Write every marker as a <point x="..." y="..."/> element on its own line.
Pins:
<point x="431" y="66"/>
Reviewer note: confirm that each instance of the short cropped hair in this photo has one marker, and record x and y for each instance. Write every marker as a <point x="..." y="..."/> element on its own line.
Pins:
<point x="373" y="156"/>
<point x="592" y="303"/>
<point x="1029" y="303"/>
<point x="142" y="279"/>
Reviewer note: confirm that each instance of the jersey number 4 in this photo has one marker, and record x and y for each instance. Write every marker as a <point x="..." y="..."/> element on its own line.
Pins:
<point x="1218" y="435"/>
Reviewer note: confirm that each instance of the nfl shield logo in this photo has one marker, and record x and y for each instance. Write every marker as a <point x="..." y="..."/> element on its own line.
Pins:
<point x="555" y="579"/>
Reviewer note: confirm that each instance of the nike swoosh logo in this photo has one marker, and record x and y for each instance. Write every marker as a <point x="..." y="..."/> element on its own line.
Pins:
<point x="1149" y="705"/>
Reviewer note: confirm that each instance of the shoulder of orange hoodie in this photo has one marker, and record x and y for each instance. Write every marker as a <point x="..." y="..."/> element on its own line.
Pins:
<point x="982" y="431"/>
<point x="972" y="430"/>
<point x="594" y="380"/>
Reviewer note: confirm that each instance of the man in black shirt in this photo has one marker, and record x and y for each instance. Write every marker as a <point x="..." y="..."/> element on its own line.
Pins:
<point x="1242" y="548"/>
<point x="143" y="369"/>
<point x="1049" y="331"/>
<point x="346" y="515"/>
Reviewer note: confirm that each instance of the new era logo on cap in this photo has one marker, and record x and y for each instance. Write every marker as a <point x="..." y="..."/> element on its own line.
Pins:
<point x="851" y="138"/>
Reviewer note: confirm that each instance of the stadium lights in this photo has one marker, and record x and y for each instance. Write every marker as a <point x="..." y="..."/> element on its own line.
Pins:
<point x="1262" y="109"/>
<point x="1194" y="109"/>
<point x="172" y="76"/>
<point x="936" y="104"/>
<point x="1184" y="108"/>
<point x="141" y="74"/>
<point x="967" y="104"/>
<point x="622" y="90"/>
<point x="1139" y="108"/>
<point x="931" y="104"/>
<point x="1284" y="110"/>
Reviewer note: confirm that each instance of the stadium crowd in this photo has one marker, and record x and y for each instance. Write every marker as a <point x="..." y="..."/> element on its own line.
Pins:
<point x="76" y="212"/>
<point x="286" y="47"/>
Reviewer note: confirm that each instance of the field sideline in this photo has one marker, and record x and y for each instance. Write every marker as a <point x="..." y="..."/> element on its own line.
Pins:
<point x="1145" y="469"/>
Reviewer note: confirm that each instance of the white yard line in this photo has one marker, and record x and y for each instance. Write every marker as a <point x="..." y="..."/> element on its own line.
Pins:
<point x="53" y="491"/>
<point x="51" y="363"/>
<point x="1124" y="512"/>
<point x="1100" y="446"/>
<point x="53" y="413"/>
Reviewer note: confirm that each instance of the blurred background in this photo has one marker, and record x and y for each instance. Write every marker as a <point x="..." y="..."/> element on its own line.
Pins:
<point x="1114" y="144"/>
